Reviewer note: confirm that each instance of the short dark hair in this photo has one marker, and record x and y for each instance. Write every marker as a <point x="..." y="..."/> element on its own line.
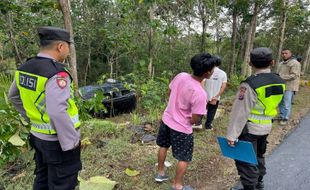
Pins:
<point x="299" y="59"/>
<point x="202" y="63"/>
<point x="285" y="49"/>
<point x="218" y="60"/>
<point x="45" y="43"/>
<point x="49" y="43"/>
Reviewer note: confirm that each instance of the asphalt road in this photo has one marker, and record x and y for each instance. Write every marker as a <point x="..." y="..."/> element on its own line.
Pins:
<point x="288" y="167"/>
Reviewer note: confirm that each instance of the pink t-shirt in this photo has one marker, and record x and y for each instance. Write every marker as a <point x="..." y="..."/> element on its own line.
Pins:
<point x="187" y="97"/>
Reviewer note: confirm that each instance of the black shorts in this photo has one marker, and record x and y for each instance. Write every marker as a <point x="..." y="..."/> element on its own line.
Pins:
<point x="182" y="144"/>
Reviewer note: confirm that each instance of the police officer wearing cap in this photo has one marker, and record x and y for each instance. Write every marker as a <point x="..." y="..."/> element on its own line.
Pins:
<point x="251" y="116"/>
<point x="42" y="92"/>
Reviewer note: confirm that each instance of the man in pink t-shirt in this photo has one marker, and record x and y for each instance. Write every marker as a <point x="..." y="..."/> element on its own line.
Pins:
<point x="186" y="106"/>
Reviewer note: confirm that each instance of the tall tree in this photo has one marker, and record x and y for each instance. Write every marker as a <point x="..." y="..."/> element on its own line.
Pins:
<point x="65" y="8"/>
<point x="240" y="16"/>
<point x="203" y="19"/>
<point x="246" y="69"/>
<point x="18" y="59"/>
<point x="151" y="34"/>
<point x="281" y="35"/>
<point x="306" y="59"/>
<point x="233" y="40"/>
<point x="217" y="25"/>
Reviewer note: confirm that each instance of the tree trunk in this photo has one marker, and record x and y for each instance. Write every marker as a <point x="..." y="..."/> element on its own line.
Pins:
<point x="233" y="44"/>
<point x="170" y="22"/>
<point x="18" y="59"/>
<point x="88" y="63"/>
<point x="111" y="60"/>
<point x="249" y="72"/>
<point x="202" y="13"/>
<point x="241" y="50"/>
<point x="242" y="38"/>
<point x="189" y="22"/>
<point x="217" y="27"/>
<point x="245" y="63"/>
<point x="281" y="34"/>
<point x="150" y="66"/>
<point x="306" y="59"/>
<point x="1" y="53"/>
<point x="203" y="36"/>
<point x="65" y="8"/>
<point x="246" y="70"/>
<point x="117" y="66"/>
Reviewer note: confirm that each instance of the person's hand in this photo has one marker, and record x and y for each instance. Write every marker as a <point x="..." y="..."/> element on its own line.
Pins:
<point x="213" y="101"/>
<point x="231" y="143"/>
<point x="79" y="144"/>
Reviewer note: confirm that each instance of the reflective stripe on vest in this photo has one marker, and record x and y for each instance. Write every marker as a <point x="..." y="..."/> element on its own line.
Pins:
<point x="49" y="129"/>
<point x="260" y="119"/>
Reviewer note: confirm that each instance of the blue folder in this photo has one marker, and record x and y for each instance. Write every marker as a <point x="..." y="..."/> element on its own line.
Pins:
<point x="242" y="151"/>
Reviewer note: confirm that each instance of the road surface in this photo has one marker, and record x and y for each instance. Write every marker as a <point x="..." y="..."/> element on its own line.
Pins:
<point x="288" y="167"/>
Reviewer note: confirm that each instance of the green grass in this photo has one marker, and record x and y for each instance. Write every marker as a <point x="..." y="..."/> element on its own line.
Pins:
<point x="18" y="175"/>
<point x="111" y="151"/>
<point x="5" y="83"/>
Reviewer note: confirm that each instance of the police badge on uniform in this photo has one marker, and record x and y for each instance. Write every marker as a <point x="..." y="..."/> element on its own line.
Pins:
<point x="61" y="79"/>
<point x="241" y="93"/>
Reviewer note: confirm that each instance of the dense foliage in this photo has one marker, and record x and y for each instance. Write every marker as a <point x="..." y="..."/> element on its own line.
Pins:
<point x="115" y="37"/>
<point x="145" y="43"/>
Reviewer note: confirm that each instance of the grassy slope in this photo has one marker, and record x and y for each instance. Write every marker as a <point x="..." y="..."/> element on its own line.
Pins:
<point x="5" y="80"/>
<point x="111" y="152"/>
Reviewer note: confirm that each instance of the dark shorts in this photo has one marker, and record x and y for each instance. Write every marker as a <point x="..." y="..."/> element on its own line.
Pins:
<point x="182" y="144"/>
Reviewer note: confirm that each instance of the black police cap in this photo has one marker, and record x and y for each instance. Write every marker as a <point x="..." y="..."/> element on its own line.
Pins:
<point x="53" y="33"/>
<point x="261" y="55"/>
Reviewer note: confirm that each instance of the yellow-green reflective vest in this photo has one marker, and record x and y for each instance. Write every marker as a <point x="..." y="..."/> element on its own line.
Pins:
<point x="31" y="78"/>
<point x="269" y="89"/>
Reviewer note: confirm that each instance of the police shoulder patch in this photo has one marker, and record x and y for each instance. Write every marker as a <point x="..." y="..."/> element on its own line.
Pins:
<point x="242" y="92"/>
<point x="61" y="79"/>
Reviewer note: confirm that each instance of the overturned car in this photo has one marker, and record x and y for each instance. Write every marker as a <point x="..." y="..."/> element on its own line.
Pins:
<point x="116" y="98"/>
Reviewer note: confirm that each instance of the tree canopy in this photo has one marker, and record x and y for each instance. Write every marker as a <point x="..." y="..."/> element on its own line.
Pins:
<point x="119" y="37"/>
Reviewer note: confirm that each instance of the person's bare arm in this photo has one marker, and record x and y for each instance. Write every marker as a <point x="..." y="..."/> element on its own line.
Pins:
<point x="215" y="98"/>
<point x="195" y="119"/>
<point x="223" y="87"/>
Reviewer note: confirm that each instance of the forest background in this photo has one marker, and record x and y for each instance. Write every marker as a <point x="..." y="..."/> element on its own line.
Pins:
<point x="144" y="43"/>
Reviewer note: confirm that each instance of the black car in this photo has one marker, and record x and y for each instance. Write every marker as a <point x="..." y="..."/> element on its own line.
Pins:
<point x="117" y="99"/>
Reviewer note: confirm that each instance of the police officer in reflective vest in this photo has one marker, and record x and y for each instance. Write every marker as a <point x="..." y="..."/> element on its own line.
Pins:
<point x="42" y="93"/>
<point x="251" y="117"/>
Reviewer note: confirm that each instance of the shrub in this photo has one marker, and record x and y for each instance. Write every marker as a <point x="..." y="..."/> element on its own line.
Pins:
<point x="14" y="132"/>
